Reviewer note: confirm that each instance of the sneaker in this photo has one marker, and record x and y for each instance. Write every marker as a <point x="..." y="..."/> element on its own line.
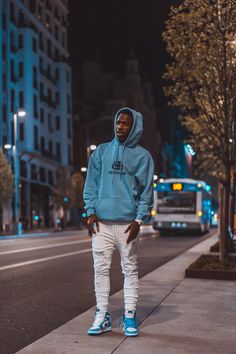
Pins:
<point x="101" y="324"/>
<point x="130" y="324"/>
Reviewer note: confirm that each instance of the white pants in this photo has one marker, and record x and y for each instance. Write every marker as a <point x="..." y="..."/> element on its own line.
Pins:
<point x="112" y="235"/>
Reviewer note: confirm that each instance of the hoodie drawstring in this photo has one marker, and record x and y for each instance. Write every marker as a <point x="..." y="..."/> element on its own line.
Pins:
<point x="117" y="156"/>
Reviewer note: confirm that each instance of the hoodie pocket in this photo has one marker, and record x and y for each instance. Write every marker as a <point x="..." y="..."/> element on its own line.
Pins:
<point x="116" y="209"/>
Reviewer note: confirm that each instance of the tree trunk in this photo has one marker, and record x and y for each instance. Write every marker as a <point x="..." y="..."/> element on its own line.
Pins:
<point x="7" y="216"/>
<point x="224" y="220"/>
<point x="232" y="201"/>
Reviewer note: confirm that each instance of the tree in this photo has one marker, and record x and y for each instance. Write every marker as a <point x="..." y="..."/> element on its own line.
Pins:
<point x="201" y="39"/>
<point x="77" y="182"/>
<point x="67" y="192"/>
<point x="62" y="195"/>
<point x="6" y="189"/>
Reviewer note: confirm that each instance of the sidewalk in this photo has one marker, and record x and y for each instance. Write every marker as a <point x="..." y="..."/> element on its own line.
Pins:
<point x="178" y="316"/>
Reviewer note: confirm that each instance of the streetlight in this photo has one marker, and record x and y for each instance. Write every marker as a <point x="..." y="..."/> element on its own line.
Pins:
<point x="21" y="114"/>
<point x="83" y="169"/>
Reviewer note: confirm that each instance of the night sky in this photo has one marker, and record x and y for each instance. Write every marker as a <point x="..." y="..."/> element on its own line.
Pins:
<point x="114" y="28"/>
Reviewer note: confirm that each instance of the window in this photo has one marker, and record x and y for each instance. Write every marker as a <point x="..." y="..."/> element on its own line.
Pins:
<point x="42" y="174"/>
<point x="23" y="169"/>
<point x="49" y="95"/>
<point x="41" y="46"/>
<point x="50" y="122"/>
<point x="12" y="12"/>
<point x="50" y="177"/>
<point x="4" y="22"/>
<point x="4" y="81"/>
<point x="12" y="71"/>
<point x="58" y="123"/>
<point x="58" y="151"/>
<point x="35" y="106"/>
<point x="12" y="100"/>
<point x="34" y="45"/>
<point x="41" y="89"/>
<point x="4" y="51"/>
<point x="36" y="141"/>
<point x="41" y="115"/>
<point x="50" y="148"/>
<point x="57" y="76"/>
<point x="4" y="113"/>
<point x="68" y="129"/>
<point x="39" y="12"/>
<point x="42" y="144"/>
<point x="33" y="172"/>
<point x="32" y="5"/>
<point x="20" y="41"/>
<point x="49" y="48"/>
<point x="57" y="97"/>
<point x="68" y="76"/>
<point x="21" y="99"/>
<point x="22" y="131"/>
<point x="56" y="32"/>
<point x="35" y="77"/>
<point x="63" y="42"/>
<point x="68" y="103"/>
<point x="21" y="69"/>
<point x="47" y="24"/>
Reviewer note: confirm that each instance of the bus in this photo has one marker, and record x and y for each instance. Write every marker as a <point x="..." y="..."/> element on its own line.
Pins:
<point x="182" y="204"/>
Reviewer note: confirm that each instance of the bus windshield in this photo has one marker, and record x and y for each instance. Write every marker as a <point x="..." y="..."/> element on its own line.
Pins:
<point x="179" y="202"/>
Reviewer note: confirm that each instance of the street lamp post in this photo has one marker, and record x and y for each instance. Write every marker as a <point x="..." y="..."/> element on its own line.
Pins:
<point x="16" y="116"/>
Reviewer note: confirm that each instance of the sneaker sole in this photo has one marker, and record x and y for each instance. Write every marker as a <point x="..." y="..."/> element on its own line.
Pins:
<point x="130" y="334"/>
<point x="108" y="329"/>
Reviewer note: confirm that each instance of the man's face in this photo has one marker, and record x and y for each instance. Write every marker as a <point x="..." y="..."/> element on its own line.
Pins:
<point x="123" y="126"/>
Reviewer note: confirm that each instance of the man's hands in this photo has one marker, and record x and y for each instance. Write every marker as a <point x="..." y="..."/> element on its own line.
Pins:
<point x="93" y="219"/>
<point x="133" y="230"/>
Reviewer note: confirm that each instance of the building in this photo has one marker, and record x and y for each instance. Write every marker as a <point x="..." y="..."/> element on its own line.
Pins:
<point x="102" y="94"/>
<point x="36" y="78"/>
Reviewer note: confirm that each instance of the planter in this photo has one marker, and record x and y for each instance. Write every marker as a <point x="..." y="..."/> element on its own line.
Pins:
<point x="211" y="274"/>
<point x="210" y="267"/>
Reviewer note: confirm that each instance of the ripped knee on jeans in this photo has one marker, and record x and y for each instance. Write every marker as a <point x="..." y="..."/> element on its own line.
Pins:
<point x="99" y="253"/>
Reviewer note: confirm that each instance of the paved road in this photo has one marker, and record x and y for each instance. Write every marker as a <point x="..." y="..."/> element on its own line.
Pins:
<point x="45" y="282"/>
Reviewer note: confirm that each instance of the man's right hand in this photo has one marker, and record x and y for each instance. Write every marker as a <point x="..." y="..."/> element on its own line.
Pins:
<point x="93" y="219"/>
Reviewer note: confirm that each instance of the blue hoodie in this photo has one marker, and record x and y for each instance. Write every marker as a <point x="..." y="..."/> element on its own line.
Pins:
<point x="119" y="183"/>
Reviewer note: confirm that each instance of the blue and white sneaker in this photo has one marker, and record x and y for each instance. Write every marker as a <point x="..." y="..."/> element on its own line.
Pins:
<point x="130" y="324"/>
<point x="101" y="324"/>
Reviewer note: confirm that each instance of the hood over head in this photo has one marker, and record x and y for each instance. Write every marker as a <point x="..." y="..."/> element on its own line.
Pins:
<point x="136" y="130"/>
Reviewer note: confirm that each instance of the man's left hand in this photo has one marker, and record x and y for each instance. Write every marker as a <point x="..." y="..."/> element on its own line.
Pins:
<point x="133" y="230"/>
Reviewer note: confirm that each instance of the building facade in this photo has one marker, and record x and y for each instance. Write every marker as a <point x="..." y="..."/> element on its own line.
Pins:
<point x="102" y="95"/>
<point x="36" y="78"/>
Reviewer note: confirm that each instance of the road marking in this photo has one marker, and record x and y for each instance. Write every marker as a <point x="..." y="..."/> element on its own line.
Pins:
<point x="44" y="247"/>
<point x="40" y="260"/>
<point x="61" y="244"/>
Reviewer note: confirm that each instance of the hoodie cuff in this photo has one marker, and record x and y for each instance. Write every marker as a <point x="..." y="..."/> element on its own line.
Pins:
<point x="90" y="211"/>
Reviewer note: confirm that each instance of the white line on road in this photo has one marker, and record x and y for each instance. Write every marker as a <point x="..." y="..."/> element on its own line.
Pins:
<point x="44" y="247"/>
<point x="39" y="260"/>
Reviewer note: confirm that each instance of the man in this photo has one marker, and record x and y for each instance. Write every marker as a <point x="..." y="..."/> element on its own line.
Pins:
<point x="118" y="196"/>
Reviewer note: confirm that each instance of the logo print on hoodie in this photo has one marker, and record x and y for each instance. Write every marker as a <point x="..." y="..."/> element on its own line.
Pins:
<point x="117" y="165"/>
